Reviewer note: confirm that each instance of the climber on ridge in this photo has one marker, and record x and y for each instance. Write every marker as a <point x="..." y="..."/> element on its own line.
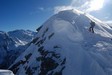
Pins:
<point x="92" y="26"/>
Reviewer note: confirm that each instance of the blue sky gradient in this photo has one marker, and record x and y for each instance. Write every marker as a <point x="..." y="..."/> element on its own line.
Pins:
<point x="30" y="14"/>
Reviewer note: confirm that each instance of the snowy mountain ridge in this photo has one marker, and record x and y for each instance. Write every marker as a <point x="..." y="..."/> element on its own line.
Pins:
<point x="21" y="36"/>
<point x="12" y="44"/>
<point x="64" y="46"/>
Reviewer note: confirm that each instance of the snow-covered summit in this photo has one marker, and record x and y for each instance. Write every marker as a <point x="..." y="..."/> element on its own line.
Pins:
<point x="64" y="46"/>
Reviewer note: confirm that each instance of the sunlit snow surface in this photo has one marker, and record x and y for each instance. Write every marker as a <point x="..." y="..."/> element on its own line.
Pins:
<point x="6" y="72"/>
<point x="80" y="51"/>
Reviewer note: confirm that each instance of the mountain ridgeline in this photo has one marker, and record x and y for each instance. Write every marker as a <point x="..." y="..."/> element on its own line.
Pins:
<point x="12" y="44"/>
<point x="65" y="46"/>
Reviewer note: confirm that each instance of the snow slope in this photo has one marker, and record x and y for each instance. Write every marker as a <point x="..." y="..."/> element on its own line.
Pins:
<point x="6" y="72"/>
<point x="12" y="44"/>
<point x="64" y="46"/>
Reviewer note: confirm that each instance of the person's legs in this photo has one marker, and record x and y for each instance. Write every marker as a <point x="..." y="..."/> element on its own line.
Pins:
<point x="92" y="30"/>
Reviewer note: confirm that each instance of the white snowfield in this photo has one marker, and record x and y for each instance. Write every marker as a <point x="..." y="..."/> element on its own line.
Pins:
<point x="66" y="47"/>
<point x="6" y="72"/>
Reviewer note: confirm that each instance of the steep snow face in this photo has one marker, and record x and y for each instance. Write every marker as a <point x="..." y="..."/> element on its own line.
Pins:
<point x="12" y="44"/>
<point x="64" y="46"/>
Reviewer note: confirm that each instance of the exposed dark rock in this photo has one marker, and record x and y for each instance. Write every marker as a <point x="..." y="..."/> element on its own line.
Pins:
<point x="47" y="65"/>
<point x="34" y="68"/>
<point x="25" y="67"/>
<point x="50" y="35"/>
<point x="29" y="71"/>
<point x="56" y="46"/>
<point x="14" y="67"/>
<point x="60" y="72"/>
<point x="28" y="56"/>
<point x="35" y="40"/>
<point x="45" y="32"/>
<point x="56" y="55"/>
<point x="38" y="29"/>
<point x="41" y="48"/>
<point x="40" y="42"/>
<point x="63" y="62"/>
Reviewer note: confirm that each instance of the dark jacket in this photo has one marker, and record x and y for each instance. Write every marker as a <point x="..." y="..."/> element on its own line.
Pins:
<point x="92" y="24"/>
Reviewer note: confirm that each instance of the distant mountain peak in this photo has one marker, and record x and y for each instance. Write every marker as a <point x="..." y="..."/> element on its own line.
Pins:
<point x="12" y="44"/>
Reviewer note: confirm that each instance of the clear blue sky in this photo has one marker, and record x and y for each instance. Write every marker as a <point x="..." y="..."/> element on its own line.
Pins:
<point x="29" y="14"/>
